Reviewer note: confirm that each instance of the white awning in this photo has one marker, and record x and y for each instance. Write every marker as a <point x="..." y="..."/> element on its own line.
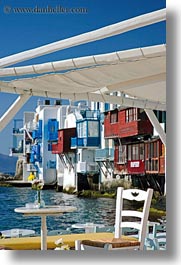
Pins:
<point x="138" y="73"/>
<point x="102" y="33"/>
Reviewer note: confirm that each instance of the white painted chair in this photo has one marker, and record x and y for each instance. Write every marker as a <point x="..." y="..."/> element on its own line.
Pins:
<point x="125" y="219"/>
<point x="156" y="240"/>
<point x="159" y="235"/>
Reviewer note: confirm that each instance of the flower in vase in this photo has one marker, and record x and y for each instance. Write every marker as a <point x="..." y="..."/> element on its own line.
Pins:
<point x="37" y="184"/>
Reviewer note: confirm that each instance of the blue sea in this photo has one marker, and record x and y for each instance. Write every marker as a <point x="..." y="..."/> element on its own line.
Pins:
<point x="101" y="210"/>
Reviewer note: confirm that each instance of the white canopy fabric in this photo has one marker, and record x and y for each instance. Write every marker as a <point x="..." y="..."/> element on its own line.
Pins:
<point x="138" y="73"/>
<point x="77" y="63"/>
<point x="102" y="33"/>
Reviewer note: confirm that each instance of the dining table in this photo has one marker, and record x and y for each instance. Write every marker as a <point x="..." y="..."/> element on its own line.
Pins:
<point x="17" y="232"/>
<point x="49" y="210"/>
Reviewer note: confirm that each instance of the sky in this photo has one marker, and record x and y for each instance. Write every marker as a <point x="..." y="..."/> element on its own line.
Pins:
<point x="21" y="30"/>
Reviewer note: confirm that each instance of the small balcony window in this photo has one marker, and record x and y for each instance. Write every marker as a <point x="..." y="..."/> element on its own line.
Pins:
<point x="114" y="116"/>
<point x="82" y="129"/>
<point x="131" y="114"/>
<point x="93" y="129"/>
<point x="122" y="154"/>
<point x="136" y="151"/>
<point x="88" y="129"/>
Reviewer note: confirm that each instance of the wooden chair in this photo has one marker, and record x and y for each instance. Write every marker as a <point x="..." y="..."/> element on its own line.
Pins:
<point x="159" y="236"/>
<point x="157" y="239"/>
<point x="125" y="218"/>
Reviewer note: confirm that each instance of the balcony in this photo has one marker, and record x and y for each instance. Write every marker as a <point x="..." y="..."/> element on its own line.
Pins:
<point x="88" y="133"/>
<point x="18" y="127"/>
<point x="90" y="114"/>
<point x="56" y="148"/>
<point x="73" y="142"/>
<point x="64" y="143"/>
<point x="104" y="154"/>
<point x="87" y="142"/>
<point x="37" y="133"/>
<point x="125" y="125"/>
<point x="17" y="131"/>
<point x="16" y="151"/>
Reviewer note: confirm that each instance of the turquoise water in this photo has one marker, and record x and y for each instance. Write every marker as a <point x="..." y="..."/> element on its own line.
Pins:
<point x="99" y="210"/>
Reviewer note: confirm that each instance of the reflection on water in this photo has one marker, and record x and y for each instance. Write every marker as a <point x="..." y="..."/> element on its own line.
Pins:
<point x="99" y="210"/>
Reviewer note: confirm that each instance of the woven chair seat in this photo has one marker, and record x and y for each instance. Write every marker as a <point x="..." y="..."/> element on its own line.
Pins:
<point x="120" y="242"/>
<point x="115" y="243"/>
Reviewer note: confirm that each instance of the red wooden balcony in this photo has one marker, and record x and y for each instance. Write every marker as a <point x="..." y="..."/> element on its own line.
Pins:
<point x="64" y="141"/>
<point x="126" y="123"/>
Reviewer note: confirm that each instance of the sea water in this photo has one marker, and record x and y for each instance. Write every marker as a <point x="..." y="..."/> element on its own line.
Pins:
<point x="100" y="210"/>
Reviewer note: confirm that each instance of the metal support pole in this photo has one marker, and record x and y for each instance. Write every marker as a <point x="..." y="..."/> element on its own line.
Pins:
<point x="11" y="112"/>
<point x="43" y="233"/>
<point x="153" y="119"/>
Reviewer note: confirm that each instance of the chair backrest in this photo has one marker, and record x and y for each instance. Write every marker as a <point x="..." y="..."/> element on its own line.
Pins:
<point x="157" y="239"/>
<point x="159" y="235"/>
<point x="132" y="218"/>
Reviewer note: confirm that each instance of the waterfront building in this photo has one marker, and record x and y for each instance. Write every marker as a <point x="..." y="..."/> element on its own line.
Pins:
<point x="83" y="145"/>
<point x="58" y="144"/>
<point x="139" y="154"/>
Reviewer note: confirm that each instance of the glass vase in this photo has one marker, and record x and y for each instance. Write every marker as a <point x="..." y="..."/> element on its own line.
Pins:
<point x="39" y="202"/>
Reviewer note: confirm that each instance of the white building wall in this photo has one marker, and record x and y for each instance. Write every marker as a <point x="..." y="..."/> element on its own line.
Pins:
<point x="105" y="143"/>
<point x="69" y="179"/>
<point x="28" y="123"/>
<point x="66" y="176"/>
<point x="61" y="116"/>
<point x="70" y="121"/>
<point x="45" y="173"/>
